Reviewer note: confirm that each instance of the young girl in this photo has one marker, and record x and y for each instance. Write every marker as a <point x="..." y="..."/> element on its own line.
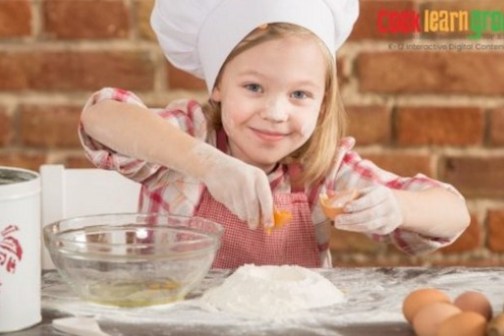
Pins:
<point x="270" y="137"/>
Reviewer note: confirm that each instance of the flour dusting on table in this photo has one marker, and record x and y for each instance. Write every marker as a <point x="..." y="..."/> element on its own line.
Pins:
<point x="372" y="296"/>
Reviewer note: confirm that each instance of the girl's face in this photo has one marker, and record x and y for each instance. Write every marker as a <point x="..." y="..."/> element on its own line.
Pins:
<point x="271" y="97"/>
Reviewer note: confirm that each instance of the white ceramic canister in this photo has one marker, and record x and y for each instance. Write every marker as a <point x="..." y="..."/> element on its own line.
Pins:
<point x="20" y="251"/>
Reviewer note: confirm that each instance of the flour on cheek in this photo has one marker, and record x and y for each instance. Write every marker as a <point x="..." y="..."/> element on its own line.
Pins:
<point x="228" y="124"/>
<point x="307" y="127"/>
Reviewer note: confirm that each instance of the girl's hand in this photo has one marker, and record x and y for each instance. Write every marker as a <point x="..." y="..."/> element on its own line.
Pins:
<point x="376" y="211"/>
<point x="242" y="188"/>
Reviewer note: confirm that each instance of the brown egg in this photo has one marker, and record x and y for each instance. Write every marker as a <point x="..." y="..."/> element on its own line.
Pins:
<point x="476" y="302"/>
<point x="419" y="298"/>
<point x="496" y="326"/>
<point x="464" y="324"/>
<point x="428" y="319"/>
<point x="333" y="205"/>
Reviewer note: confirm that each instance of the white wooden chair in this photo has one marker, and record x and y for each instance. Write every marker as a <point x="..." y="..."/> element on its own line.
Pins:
<point x="68" y="193"/>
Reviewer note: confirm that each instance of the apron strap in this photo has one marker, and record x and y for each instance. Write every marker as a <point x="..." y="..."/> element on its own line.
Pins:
<point x="222" y="140"/>
<point x="294" y="170"/>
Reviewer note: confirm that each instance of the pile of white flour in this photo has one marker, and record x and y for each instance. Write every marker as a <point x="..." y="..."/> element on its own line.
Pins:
<point x="272" y="292"/>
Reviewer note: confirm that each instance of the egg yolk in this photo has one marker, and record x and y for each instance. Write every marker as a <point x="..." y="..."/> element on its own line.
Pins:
<point x="280" y="219"/>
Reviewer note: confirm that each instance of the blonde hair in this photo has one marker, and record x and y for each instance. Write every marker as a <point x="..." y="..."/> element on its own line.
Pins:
<point x="317" y="155"/>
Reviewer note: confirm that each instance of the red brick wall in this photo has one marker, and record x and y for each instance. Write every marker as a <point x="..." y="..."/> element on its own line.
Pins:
<point x="439" y="113"/>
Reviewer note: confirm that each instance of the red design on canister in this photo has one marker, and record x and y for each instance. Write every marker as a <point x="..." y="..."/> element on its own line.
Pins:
<point x="11" y="251"/>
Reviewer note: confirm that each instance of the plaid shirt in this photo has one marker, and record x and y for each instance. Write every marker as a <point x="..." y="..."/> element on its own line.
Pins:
<point x="166" y="190"/>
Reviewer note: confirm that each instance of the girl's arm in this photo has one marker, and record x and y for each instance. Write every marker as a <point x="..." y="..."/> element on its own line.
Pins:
<point x="136" y="132"/>
<point x="434" y="212"/>
<point x="380" y="210"/>
<point x="418" y="214"/>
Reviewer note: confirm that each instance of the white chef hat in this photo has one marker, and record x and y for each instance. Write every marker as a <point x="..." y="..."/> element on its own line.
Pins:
<point x="197" y="35"/>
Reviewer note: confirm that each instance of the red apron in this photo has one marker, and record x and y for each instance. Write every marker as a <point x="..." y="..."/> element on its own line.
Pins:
<point x="294" y="243"/>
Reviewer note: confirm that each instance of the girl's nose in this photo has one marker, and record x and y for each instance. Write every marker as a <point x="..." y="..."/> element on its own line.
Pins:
<point x="275" y="110"/>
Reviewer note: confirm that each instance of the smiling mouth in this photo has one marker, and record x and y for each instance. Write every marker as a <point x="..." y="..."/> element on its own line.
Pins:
<point x="269" y="135"/>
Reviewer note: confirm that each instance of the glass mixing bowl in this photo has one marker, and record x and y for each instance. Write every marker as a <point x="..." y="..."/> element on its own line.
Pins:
<point x="133" y="260"/>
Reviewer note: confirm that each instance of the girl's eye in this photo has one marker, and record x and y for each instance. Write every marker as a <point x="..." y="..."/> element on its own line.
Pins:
<point x="299" y="95"/>
<point x="253" y="87"/>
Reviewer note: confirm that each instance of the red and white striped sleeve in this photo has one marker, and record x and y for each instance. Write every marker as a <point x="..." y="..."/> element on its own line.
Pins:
<point x="185" y="114"/>
<point x="353" y="172"/>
